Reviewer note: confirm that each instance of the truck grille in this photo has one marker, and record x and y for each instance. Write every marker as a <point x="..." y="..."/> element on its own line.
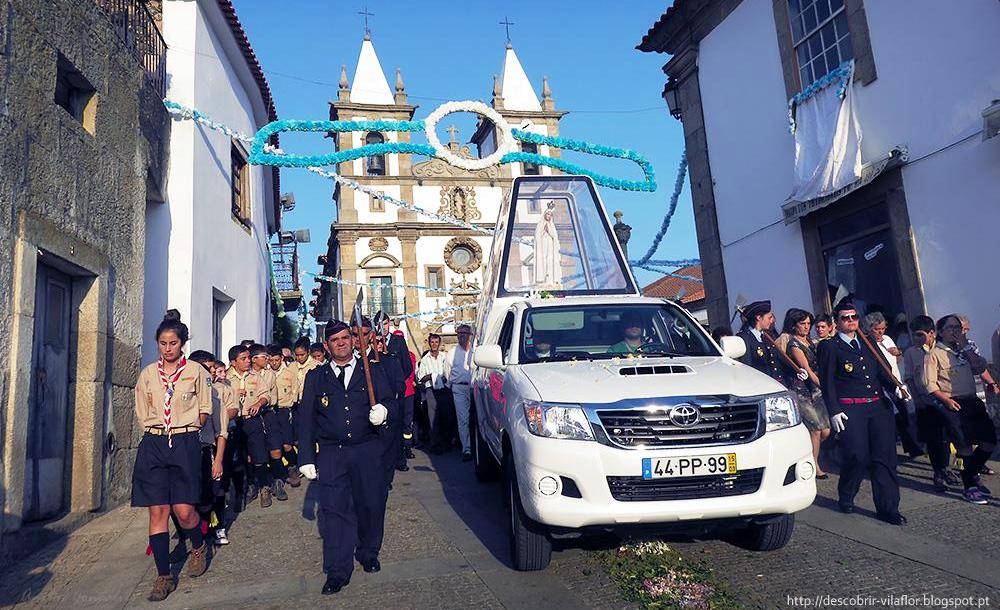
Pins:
<point x="637" y="489"/>
<point x="717" y="423"/>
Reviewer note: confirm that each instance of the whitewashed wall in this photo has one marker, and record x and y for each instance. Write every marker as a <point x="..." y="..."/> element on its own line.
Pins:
<point x="210" y="253"/>
<point x="935" y="76"/>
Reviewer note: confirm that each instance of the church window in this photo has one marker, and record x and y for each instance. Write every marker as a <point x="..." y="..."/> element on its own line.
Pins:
<point x="375" y="164"/>
<point x="530" y="169"/>
<point x="240" y="183"/>
<point x="435" y="280"/>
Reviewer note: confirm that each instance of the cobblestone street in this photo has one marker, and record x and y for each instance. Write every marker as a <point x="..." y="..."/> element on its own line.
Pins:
<point x="445" y="548"/>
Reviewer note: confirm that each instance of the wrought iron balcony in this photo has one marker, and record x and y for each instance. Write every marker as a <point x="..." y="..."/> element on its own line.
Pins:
<point x="137" y="30"/>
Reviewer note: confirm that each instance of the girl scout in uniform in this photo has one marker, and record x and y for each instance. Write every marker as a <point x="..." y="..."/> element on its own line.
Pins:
<point x="172" y="401"/>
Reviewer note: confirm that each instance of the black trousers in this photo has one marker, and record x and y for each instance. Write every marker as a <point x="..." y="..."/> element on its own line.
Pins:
<point x="392" y="439"/>
<point x="868" y="446"/>
<point x="352" y="500"/>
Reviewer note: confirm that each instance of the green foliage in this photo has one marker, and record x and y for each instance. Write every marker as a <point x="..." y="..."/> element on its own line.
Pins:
<point x="659" y="578"/>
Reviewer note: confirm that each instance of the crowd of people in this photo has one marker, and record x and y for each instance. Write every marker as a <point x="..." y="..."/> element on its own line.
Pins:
<point x="867" y="391"/>
<point x="220" y="435"/>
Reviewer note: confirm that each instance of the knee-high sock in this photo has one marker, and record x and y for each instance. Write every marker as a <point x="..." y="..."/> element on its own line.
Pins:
<point x="160" y="543"/>
<point x="292" y="458"/>
<point x="195" y="536"/>
<point x="278" y="470"/>
<point x="261" y="475"/>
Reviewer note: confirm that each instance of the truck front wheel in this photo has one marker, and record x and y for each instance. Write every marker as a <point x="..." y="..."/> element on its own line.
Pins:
<point x="530" y="546"/>
<point x="767" y="536"/>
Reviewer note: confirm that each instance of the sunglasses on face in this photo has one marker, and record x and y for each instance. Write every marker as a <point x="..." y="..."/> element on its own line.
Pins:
<point x="849" y="316"/>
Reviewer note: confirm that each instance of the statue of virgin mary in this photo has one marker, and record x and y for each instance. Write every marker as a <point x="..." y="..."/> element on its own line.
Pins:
<point x="548" y="264"/>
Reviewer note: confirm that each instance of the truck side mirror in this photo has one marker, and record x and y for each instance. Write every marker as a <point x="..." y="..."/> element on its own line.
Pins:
<point x="733" y="347"/>
<point x="488" y="356"/>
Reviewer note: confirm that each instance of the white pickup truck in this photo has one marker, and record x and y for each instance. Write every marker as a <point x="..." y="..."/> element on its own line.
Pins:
<point x="603" y="409"/>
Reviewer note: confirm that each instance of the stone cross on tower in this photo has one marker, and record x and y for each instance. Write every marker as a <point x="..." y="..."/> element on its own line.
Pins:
<point x="506" y="23"/>
<point x="367" y="14"/>
<point x="454" y="141"/>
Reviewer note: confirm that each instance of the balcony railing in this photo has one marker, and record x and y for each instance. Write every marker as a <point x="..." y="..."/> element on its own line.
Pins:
<point x="390" y="307"/>
<point x="285" y="261"/>
<point x="136" y="29"/>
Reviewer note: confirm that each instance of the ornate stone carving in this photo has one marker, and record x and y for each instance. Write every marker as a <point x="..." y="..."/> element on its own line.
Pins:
<point x="436" y="168"/>
<point x="378" y="244"/>
<point x="465" y="293"/>
<point x="463" y="255"/>
<point x="459" y="202"/>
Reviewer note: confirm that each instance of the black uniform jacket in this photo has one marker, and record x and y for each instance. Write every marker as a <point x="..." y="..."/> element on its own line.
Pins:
<point x="329" y="414"/>
<point x="846" y="373"/>
<point x="397" y="347"/>
<point x="393" y="372"/>
<point x="761" y="356"/>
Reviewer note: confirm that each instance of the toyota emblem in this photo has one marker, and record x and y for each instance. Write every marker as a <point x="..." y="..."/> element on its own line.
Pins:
<point x="684" y="415"/>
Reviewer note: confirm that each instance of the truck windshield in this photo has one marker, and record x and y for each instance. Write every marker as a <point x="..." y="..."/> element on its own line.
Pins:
<point x="592" y="332"/>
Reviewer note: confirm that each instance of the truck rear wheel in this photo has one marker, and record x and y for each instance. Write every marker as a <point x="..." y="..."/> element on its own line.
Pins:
<point x="768" y="536"/>
<point x="530" y="546"/>
<point x="487" y="468"/>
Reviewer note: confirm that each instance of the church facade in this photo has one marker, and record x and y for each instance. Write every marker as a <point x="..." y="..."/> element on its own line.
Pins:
<point x="374" y="242"/>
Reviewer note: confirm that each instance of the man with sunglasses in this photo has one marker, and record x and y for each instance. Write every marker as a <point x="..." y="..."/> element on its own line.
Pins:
<point x="852" y="380"/>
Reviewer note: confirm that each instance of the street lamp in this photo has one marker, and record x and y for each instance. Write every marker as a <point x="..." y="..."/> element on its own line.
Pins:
<point x="673" y="98"/>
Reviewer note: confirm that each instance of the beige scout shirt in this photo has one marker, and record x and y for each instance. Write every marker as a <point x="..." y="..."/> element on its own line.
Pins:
<point x="285" y="385"/>
<point x="300" y="375"/>
<point x="944" y="371"/>
<point x="218" y="423"/>
<point x="257" y="384"/>
<point x="192" y="397"/>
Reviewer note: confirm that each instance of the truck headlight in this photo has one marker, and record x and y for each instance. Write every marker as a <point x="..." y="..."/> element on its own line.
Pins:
<point x="782" y="412"/>
<point x="557" y="421"/>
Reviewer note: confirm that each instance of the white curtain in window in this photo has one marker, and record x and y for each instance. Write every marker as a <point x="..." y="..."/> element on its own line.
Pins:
<point x="827" y="138"/>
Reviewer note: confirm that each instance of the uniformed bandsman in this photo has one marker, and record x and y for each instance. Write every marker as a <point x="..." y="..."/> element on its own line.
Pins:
<point x="172" y="401"/>
<point x="758" y="319"/>
<point x="853" y="380"/>
<point x="337" y="415"/>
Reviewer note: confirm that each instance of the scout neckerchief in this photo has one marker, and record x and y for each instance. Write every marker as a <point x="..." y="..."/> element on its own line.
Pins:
<point x="168" y="381"/>
<point x="242" y="377"/>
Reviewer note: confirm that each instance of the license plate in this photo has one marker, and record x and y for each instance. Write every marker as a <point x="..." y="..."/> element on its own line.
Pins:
<point x="666" y="467"/>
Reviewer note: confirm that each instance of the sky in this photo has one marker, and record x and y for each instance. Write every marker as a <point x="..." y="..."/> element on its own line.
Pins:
<point x="450" y="50"/>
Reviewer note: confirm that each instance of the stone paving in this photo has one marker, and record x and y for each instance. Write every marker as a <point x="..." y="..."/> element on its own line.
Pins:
<point x="445" y="547"/>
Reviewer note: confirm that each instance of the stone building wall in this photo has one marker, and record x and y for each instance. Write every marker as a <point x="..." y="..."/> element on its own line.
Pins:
<point x="79" y="199"/>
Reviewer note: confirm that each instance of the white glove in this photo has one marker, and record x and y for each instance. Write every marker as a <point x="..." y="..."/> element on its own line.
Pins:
<point x="802" y="375"/>
<point x="377" y="415"/>
<point x="836" y="422"/>
<point x="902" y="392"/>
<point x="308" y="471"/>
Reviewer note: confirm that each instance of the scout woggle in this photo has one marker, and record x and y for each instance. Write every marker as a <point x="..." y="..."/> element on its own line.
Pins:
<point x="261" y="154"/>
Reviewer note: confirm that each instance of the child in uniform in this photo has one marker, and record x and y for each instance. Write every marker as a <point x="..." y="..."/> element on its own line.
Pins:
<point x="172" y="401"/>
<point x="267" y="464"/>
<point x="285" y="384"/>
<point x="213" y="436"/>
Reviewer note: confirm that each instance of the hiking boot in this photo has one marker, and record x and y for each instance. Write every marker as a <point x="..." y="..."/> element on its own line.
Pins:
<point x="940" y="482"/>
<point x="972" y="495"/>
<point x="162" y="587"/>
<point x="294" y="477"/>
<point x="198" y="561"/>
<point x="265" y="497"/>
<point x="279" y="490"/>
<point x="252" y="492"/>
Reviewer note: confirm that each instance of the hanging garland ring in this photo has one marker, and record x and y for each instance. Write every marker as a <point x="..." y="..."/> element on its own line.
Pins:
<point x="503" y="146"/>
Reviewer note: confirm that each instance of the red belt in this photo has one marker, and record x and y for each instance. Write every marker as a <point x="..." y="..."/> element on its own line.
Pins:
<point x="858" y="401"/>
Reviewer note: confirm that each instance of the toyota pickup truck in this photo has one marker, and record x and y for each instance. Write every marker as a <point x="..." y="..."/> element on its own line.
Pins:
<point x="601" y="409"/>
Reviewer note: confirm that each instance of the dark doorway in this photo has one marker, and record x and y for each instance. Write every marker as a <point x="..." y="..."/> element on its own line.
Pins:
<point x="861" y="263"/>
<point x="46" y="464"/>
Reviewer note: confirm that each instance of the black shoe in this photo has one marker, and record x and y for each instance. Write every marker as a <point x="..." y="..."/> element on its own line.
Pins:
<point x="847" y="509"/>
<point x="333" y="585"/>
<point x="466" y="456"/>
<point x="402" y="467"/>
<point x="896" y="519"/>
<point x="372" y="566"/>
<point x="251" y="494"/>
<point x="940" y="483"/>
